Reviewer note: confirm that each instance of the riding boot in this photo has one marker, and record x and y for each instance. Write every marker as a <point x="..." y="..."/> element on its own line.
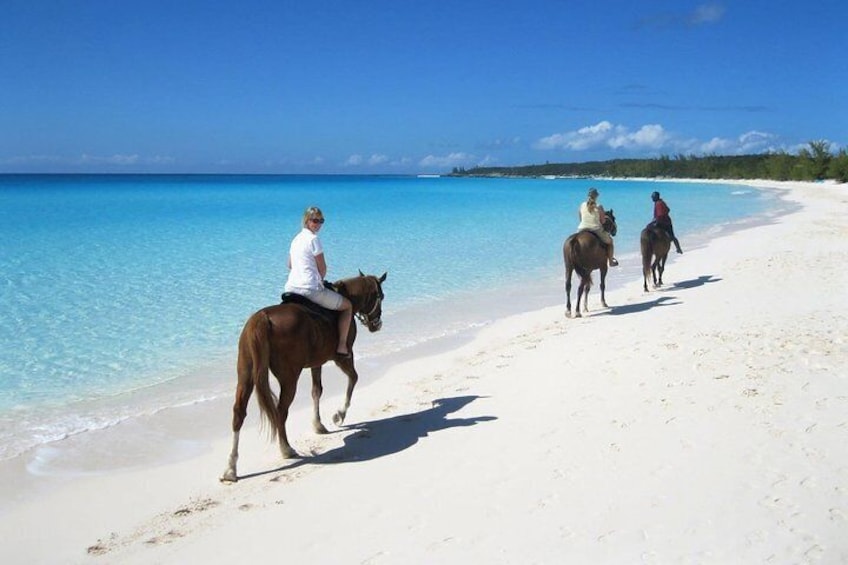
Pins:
<point x="677" y="246"/>
<point x="613" y="262"/>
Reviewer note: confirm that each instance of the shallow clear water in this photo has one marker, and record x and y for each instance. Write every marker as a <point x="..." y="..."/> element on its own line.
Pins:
<point x="116" y="284"/>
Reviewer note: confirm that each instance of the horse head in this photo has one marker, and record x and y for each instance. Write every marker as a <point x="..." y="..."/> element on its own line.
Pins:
<point x="365" y="292"/>
<point x="609" y="222"/>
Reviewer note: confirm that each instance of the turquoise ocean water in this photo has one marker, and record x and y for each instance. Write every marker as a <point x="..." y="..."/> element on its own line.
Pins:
<point x="124" y="295"/>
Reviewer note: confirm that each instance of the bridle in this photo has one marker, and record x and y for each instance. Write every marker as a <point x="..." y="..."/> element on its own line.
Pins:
<point x="365" y="318"/>
<point x="610" y="225"/>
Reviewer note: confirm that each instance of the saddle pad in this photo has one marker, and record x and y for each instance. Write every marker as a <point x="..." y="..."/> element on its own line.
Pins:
<point x="294" y="298"/>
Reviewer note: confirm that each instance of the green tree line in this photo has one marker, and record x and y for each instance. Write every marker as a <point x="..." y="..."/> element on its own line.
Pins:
<point x="815" y="162"/>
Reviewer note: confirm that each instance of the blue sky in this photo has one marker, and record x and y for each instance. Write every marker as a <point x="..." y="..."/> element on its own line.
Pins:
<point x="411" y="86"/>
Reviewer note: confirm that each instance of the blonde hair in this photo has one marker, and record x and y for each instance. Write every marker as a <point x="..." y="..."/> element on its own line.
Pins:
<point x="592" y="200"/>
<point x="311" y="212"/>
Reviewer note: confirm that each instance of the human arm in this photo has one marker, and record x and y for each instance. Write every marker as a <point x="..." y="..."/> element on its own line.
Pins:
<point x="321" y="263"/>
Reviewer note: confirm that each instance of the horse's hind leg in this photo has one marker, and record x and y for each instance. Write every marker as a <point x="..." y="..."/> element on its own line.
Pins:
<point x="243" y="391"/>
<point x="346" y="365"/>
<point x="581" y="290"/>
<point x="317" y="390"/>
<point x="568" y="292"/>
<point x="288" y="386"/>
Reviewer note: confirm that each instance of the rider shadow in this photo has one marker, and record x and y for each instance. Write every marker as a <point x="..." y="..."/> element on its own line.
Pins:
<point x="379" y="438"/>
<point x="692" y="283"/>
<point x="643" y="306"/>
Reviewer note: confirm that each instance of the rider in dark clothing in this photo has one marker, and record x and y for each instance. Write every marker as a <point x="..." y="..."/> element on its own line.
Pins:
<point x="663" y="220"/>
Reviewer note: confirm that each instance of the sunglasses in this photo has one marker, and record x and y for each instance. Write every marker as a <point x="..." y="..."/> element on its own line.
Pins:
<point x="317" y="220"/>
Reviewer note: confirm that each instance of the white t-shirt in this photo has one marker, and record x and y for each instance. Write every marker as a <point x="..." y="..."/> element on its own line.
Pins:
<point x="304" y="273"/>
<point x="589" y="220"/>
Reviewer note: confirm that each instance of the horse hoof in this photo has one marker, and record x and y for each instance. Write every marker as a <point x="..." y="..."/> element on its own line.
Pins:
<point x="320" y="429"/>
<point x="568" y="314"/>
<point x="338" y="418"/>
<point x="229" y="476"/>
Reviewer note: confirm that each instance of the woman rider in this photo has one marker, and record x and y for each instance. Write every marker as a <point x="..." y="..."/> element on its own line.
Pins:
<point x="592" y="219"/>
<point x="308" y="268"/>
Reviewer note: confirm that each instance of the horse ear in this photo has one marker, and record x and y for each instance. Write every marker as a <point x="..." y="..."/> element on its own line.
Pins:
<point x="383" y="278"/>
<point x="361" y="274"/>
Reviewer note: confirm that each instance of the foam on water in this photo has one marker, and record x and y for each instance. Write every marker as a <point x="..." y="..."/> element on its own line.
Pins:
<point x="126" y="294"/>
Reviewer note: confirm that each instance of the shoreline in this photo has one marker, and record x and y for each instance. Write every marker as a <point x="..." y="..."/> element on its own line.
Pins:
<point x="201" y="372"/>
<point x="467" y="374"/>
<point x="487" y="307"/>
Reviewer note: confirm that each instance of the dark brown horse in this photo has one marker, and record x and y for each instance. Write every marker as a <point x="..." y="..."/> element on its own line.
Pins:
<point x="287" y="338"/>
<point x="583" y="252"/>
<point x="655" y="243"/>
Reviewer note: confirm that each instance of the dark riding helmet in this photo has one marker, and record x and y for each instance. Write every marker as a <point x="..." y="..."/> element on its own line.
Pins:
<point x="655" y="196"/>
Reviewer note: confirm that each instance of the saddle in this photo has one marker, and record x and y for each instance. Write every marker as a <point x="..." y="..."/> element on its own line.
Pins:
<point x="659" y="226"/>
<point x="311" y="307"/>
<point x="596" y="236"/>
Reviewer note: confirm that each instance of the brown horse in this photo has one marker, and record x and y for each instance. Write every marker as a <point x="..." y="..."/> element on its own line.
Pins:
<point x="655" y="243"/>
<point x="583" y="252"/>
<point x="287" y="338"/>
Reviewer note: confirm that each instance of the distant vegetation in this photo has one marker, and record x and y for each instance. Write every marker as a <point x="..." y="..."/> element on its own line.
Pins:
<point x="815" y="162"/>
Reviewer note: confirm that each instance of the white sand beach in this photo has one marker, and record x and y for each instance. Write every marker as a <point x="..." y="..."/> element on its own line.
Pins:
<point x="705" y="422"/>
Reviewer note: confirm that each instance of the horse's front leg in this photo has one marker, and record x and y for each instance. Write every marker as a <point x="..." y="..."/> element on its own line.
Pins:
<point x="568" y="293"/>
<point x="346" y="365"/>
<point x="603" y="287"/>
<point x="317" y="390"/>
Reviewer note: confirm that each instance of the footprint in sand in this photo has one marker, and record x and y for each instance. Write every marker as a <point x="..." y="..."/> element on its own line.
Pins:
<point x="169" y="537"/>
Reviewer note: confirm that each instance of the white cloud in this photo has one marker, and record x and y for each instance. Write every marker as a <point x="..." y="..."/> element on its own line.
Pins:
<point x="751" y="142"/>
<point x="116" y="159"/>
<point x="650" y="136"/>
<point x="357" y="160"/>
<point x="716" y="145"/>
<point x="377" y="159"/>
<point x="707" y="14"/>
<point x="445" y="161"/>
<point x="755" y="141"/>
<point x="653" y="138"/>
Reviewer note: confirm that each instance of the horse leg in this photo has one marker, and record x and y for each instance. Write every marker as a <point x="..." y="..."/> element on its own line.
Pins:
<point x="288" y="386"/>
<point x="580" y="291"/>
<point x="586" y="288"/>
<point x="243" y="392"/>
<point x="317" y="390"/>
<point x="661" y="268"/>
<point x="568" y="271"/>
<point x="346" y="365"/>
<point x="654" y="272"/>
<point x="603" y="287"/>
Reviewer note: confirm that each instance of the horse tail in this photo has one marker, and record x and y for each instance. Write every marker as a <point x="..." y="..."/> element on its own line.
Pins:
<point x="646" y="242"/>
<point x="255" y="345"/>
<point x="572" y="257"/>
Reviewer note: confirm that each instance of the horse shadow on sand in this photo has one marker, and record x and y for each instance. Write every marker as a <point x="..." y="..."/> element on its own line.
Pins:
<point x="662" y="300"/>
<point x="378" y="438"/>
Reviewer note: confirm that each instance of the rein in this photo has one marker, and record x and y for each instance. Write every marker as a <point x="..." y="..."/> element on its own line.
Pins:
<point x="366" y="318"/>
